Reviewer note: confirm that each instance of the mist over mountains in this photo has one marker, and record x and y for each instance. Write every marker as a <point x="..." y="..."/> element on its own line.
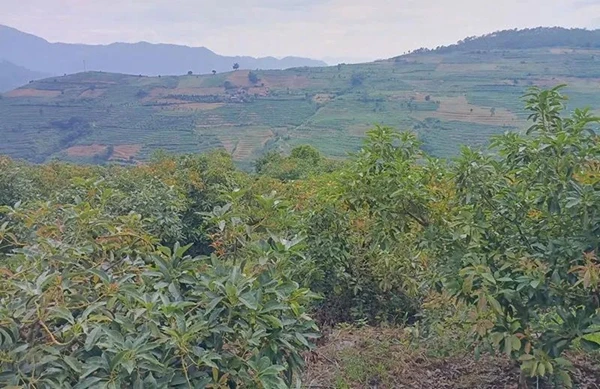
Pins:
<point x="43" y="58"/>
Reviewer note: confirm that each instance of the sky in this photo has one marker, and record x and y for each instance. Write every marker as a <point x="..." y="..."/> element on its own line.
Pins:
<point x="334" y="30"/>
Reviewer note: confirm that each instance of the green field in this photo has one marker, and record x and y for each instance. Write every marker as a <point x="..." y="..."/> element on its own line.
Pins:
<point x="448" y="98"/>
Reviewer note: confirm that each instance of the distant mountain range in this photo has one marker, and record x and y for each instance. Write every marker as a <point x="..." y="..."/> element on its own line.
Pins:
<point x="13" y="76"/>
<point x="38" y="55"/>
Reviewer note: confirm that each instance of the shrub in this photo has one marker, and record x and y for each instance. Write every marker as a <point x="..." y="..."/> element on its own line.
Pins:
<point x="90" y="301"/>
<point x="529" y="238"/>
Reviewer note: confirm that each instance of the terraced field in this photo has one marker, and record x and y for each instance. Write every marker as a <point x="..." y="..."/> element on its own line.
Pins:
<point x="449" y="99"/>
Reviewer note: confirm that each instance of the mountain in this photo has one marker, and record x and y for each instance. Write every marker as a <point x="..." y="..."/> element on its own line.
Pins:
<point x="530" y="38"/>
<point x="449" y="97"/>
<point x="13" y="76"/>
<point x="144" y="58"/>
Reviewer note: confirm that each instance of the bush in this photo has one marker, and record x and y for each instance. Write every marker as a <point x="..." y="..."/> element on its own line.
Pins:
<point x="529" y="239"/>
<point x="95" y="302"/>
<point x="253" y="77"/>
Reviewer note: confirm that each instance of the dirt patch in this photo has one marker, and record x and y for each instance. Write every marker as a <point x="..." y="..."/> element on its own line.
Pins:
<point x="322" y="98"/>
<point x="161" y="92"/>
<point x="458" y="109"/>
<point x="385" y="358"/>
<point x="359" y="129"/>
<point x="188" y="106"/>
<point x="95" y="82"/>
<point x="125" y="152"/>
<point x="292" y="82"/>
<point x="86" y="151"/>
<point x="28" y="92"/>
<point x="240" y="78"/>
<point x="197" y="91"/>
<point x="245" y="143"/>
<point x="587" y="83"/>
<point x="564" y="50"/>
<point x="92" y="93"/>
<point x="466" y="67"/>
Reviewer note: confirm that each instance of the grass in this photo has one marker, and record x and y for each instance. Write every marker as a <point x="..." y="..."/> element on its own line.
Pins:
<point x="431" y="93"/>
<point x="366" y="357"/>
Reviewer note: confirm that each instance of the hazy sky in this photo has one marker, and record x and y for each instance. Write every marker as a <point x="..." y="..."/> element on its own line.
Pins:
<point x="362" y="29"/>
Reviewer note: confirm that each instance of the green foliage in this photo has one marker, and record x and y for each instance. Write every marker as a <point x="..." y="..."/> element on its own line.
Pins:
<point x="357" y="79"/>
<point x="528" y="232"/>
<point x="186" y="272"/>
<point x="89" y="299"/>
<point x="302" y="162"/>
<point x="253" y="77"/>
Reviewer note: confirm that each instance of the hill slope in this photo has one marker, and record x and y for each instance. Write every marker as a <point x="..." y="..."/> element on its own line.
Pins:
<point x="38" y="54"/>
<point x="448" y="97"/>
<point x="13" y="76"/>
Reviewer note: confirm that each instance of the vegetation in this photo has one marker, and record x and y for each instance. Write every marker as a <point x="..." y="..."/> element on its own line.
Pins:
<point x="462" y="96"/>
<point x="187" y="272"/>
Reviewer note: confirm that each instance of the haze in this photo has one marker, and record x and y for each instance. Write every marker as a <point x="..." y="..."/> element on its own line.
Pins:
<point x="333" y="30"/>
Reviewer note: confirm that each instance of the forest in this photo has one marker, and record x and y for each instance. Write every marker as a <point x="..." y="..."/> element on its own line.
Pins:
<point x="186" y="272"/>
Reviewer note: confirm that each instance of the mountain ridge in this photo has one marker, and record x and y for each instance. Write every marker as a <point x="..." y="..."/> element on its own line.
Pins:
<point x="38" y="54"/>
<point x="13" y="76"/>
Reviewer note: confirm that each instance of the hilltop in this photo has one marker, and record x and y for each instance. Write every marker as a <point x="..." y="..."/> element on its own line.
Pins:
<point x="448" y="96"/>
<point x="37" y="54"/>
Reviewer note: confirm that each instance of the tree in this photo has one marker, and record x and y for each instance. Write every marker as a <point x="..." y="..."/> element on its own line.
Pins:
<point x="357" y="79"/>
<point x="529" y="241"/>
<point x="190" y="73"/>
<point x="236" y="66"/>
<point x="253" y="77"/>
<point x="214" y="72"/>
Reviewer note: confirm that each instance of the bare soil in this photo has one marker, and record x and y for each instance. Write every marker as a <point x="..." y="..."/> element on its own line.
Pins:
<point x="385" y="358"/>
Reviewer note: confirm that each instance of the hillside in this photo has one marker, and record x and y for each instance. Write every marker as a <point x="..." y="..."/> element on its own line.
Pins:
<point x="449" y="97"/>
<point x="531" y="38"/>
<point x="145" y="58"/>
<point x="13" y="76"/>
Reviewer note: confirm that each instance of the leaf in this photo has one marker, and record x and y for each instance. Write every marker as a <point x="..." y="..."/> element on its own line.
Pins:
<point x="62" y="313"/>
<point x="565" y="378"/>
<point x="92" y="338"/>
<point x="495" y="305"/>
<point x="213" y="304"/>
<point x="165" y="250"/>
<point x="174" y="290"/>
<point x="534" y="284"/>
<point x="73" y="363"/>
<point x="302" y="339"/>
<point x="249" y="301"/>
<point x="516" y="343"/>
<point x="100" y="274"/>
<point x="274" y="305"/>
<point x="116" y="360"/>
<point x="572" y="202"/>
<point x="182" y="250"/>
<point x="589" y="345"/>
<point x="489" y="278"/>
<point x="231" y="290"/>
<point x="91" y="382"/>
